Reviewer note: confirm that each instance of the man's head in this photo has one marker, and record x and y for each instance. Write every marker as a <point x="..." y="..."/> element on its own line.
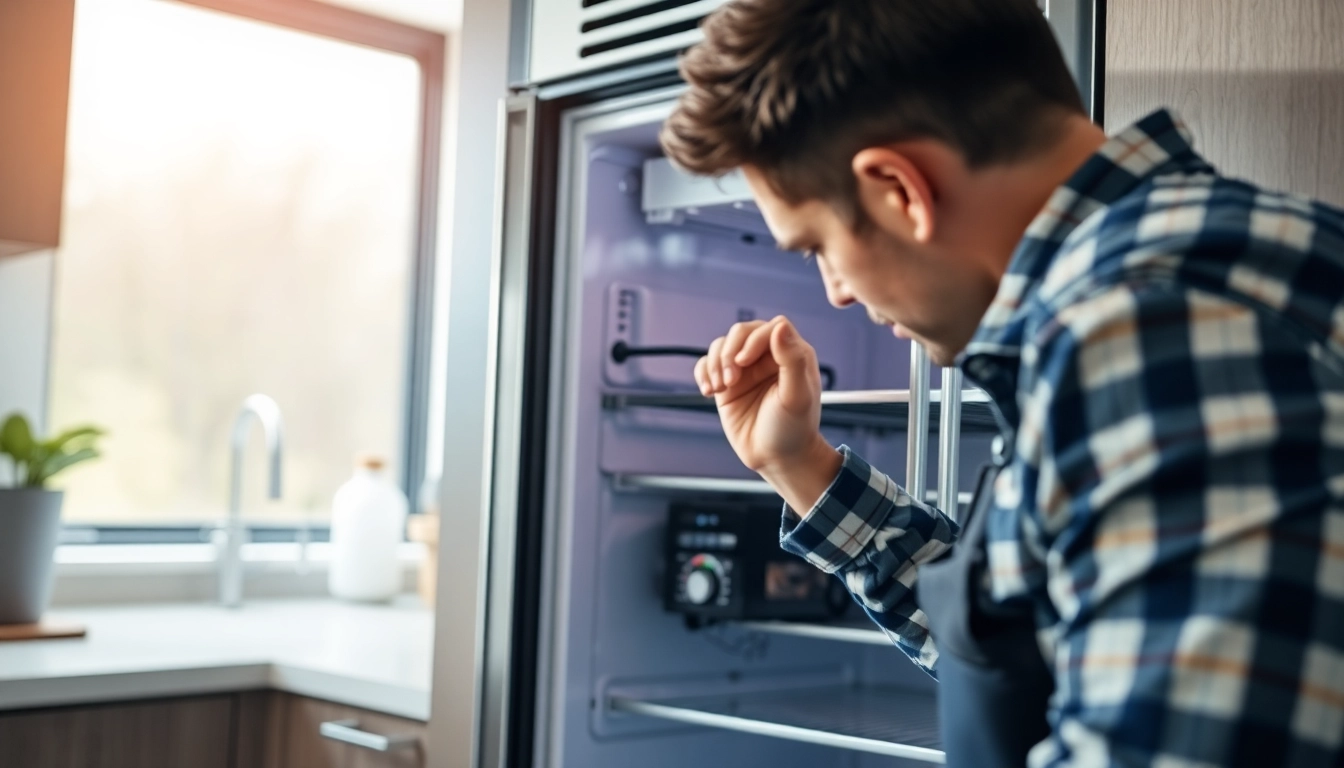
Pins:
<point x="883" y="136"/>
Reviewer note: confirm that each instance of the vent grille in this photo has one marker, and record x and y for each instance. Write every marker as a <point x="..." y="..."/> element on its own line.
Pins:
<point x="638" y="12"/>
<point x="571" y="37"/>
<point x="640" y="37"/>
<point x="613" y="25"/>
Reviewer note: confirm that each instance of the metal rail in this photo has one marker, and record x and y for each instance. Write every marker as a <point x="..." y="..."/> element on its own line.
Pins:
<point x="917" y="446"/>
<point x="949" y="440"/>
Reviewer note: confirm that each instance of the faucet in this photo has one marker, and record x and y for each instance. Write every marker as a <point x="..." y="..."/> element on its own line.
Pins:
<point x="229" y="545"/>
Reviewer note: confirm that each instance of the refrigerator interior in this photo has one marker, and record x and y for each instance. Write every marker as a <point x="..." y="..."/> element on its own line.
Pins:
<point x="622" y="682"/>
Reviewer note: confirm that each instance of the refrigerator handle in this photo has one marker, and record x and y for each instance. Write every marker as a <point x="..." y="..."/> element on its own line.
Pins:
<point x="917" y="449"/>
<point x="949" y="438"/>
<point x="501" y="460"/>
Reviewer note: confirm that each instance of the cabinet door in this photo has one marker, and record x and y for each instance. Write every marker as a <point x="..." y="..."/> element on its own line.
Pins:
<point x="158" y="734"/>
<point x="35" y="42"/>
<point x="295" y="739"/>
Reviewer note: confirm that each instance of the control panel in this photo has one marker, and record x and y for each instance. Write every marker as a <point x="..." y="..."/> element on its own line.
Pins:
<point x="724" y="562"/>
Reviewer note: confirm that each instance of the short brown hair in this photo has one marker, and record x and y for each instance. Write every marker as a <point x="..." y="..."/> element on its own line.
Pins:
<point x="796" y="88"/>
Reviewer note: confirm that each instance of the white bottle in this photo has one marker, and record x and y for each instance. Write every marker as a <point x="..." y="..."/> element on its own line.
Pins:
<point x="368" y="522"/>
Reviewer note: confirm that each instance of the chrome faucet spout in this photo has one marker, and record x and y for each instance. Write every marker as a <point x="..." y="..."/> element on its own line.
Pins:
<point x="230" y="544"/>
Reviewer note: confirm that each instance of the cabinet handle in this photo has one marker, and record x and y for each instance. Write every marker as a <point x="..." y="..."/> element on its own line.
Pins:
<point x="349" y="732"/>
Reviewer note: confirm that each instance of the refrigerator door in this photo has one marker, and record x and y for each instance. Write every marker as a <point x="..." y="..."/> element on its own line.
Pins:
<point x="489" y="611"/>
<point x="483" y="370"/>
<point x="504" y="411"/>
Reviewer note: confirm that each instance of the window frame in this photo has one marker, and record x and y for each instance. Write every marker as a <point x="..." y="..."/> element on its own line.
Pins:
<point x="428" y="49"/>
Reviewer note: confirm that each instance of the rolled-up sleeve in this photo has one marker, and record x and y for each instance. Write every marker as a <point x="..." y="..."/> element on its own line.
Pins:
<point x="872" y="534"/>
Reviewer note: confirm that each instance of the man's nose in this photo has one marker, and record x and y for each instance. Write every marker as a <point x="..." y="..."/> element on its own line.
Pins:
<point x="838" y="295"/>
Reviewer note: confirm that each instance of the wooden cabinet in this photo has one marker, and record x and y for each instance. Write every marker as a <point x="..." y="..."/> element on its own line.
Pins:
<point x="195" y="732"/>
<point x="261" y="729"/>
<point x="280" y="730"/>
<point x="35" y="43"/>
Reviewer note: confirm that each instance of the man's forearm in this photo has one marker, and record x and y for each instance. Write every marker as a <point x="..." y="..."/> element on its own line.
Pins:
<point x="864" y="528"/>
<point x="802" y="481"/>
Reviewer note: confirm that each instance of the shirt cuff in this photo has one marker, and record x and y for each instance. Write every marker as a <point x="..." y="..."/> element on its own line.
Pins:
<point x="845" y="519"/>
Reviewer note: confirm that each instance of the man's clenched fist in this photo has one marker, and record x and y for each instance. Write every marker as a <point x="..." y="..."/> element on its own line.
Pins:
<point x="765" y="380"/>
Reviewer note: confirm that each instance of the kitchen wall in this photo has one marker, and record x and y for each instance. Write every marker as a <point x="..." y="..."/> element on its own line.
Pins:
<point x="1260" y="82"/>
<point x="25" y="329"/>
<point x="435" y="15"/>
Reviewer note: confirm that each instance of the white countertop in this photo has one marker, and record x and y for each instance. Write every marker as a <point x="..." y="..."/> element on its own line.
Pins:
<point x="377" y="657"/>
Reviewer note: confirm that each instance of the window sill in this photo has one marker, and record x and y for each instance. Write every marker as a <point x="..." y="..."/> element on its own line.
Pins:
<point x="122" y="573"/>
<point x="115" y="559"/>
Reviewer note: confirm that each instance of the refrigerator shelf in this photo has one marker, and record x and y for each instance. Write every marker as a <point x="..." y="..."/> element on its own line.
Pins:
<point x="690" y="484"/>
<point x="883" y="721"/>
<point x="859" y="630"/>
<point x="629" y="482"/>
<point x="883" y="409"/>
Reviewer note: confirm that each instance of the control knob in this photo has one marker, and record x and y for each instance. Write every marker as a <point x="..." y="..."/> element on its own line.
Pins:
<point x="701" y="586"/>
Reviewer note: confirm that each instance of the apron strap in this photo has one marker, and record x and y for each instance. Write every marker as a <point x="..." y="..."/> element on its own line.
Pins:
<point x="994" y="686"/>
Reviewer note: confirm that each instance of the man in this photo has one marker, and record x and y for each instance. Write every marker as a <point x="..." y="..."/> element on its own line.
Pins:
<point x="1153" y="572"/>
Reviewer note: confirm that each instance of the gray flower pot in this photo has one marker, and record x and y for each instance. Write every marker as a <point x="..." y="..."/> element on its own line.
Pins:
<point x="30" y="522"/>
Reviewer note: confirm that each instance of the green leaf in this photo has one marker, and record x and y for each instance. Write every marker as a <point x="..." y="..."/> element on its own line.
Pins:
<point x="16" y="439"/>
<point x="37" y="459"/>
<point x="60" y="462"/>
<point x="55" y="444"/>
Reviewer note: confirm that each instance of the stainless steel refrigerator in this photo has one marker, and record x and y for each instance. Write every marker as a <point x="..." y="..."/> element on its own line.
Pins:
<point x="561" y="459"/>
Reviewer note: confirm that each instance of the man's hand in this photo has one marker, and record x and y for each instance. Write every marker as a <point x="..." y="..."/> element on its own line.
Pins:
<point x="765" y="380"/>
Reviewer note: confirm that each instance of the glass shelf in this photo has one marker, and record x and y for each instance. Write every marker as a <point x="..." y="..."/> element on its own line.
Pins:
<point x="630" y="482"/>
<point x="856" y="630"/>
<point x="882" y="409"/>
<point x="882" y="721"/>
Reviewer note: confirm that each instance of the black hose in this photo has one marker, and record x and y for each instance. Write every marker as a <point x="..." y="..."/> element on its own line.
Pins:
<point x="620" y="352"/>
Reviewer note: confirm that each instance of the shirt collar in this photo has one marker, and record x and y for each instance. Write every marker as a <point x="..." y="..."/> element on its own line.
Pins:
<point x="1150" y="147"/>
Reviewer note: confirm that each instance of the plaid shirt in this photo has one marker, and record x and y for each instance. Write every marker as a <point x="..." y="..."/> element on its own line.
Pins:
<point x="1166" y="352"/>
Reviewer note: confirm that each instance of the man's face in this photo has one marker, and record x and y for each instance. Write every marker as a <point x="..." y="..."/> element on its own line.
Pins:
<point x="921" y="290"/>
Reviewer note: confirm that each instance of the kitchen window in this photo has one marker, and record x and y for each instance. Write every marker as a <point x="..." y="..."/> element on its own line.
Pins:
<point x="249" y="208"/>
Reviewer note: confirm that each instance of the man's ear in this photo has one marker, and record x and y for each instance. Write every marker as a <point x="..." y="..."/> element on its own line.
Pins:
<point x="895" y="193"/>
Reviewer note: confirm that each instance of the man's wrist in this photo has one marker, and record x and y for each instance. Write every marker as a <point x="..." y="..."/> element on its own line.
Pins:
<point x="804" y="478"/>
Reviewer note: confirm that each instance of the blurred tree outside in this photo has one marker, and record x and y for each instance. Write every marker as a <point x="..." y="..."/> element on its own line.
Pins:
<point x="239" y="218"/>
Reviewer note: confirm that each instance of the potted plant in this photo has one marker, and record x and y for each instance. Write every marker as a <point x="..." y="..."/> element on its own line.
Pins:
<point x="30" y="513"/>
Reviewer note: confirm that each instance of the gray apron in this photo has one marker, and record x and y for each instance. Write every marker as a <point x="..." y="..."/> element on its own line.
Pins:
<point x="993" y="685"/>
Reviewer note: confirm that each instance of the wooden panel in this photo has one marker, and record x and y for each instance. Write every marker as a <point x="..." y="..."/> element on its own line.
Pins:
<point x="44" y="630"/>
<point x="294" y="722"/>
<point x="257" y="733"/>
<point x="1261" y="83"/>
<point x="35" y="42"/>
<point x="193" y="732"/>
